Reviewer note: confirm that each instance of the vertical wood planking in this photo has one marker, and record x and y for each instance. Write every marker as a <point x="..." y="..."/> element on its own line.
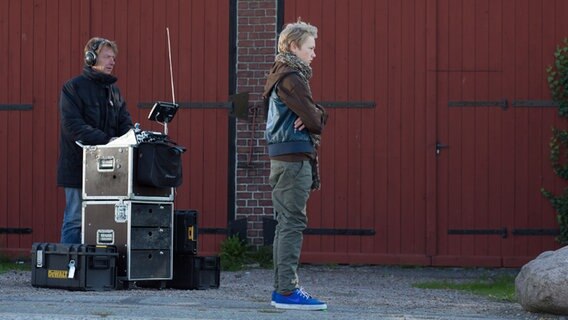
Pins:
<point x="183" y="93"/>
<point x="120" y="36"/>
<point x="341" y="208"/>
<point x="172" y="15"/>
<point x="130" y="57"/>
<point x="420" y="124"/>
<point x="4" y="76"/>
<point x="481" y="118"/>
<point x="221" y="94"/>
<point x="41" y="187"/>
<point x="381" y="153"/>
<point x="508" y="124"/>
<point x="326" y="55"/>
<point x="210" y="132"/>
<point x="197" y="125"/>
<point x="551" y="37"/>
<point x="467" y="128"/>
<point x="495" y="118"/>
<point x="26" y="128"/>
<point x="354" y="72"/>
<point x="54" y="79"/>
<point x="14" y="146"/>
<point x="159" y="47"/>
<point x="108" y="18"/>
<point x="315" y="214"/>
<point x="394" y="156"/>
<point x="146" y="57"/>
<point x="536" y="128"/>
<point x="432" y="36"/>
<point x="442" y="135"/>
<point x="521" y="116"/>
<point x="367" y="161"/>
<point x="407" y="108"/>
<point x="454" y="152"/>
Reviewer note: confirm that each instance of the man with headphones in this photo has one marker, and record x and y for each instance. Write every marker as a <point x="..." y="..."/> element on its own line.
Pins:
<point x="92" y="112"/>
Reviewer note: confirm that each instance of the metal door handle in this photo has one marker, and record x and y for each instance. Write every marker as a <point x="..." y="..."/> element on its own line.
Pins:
<point x="440" y="146"/>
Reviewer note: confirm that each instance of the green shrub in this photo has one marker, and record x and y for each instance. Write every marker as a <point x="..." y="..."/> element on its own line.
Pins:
<point x="558" y="78"/>
<point x="236" y="254"/>
<point x="558" y="84"/>
<point x="233" y="253"/>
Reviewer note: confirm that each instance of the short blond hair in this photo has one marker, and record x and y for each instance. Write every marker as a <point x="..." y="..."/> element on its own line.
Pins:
<point x="295" y="33"/>
<point x="96" y="44"/>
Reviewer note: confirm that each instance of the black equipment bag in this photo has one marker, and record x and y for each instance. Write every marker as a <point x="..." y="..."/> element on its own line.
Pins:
<point x="159" y="164"/>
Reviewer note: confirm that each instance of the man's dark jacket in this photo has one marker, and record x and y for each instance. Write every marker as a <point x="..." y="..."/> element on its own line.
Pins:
<point x="92" y="111"/>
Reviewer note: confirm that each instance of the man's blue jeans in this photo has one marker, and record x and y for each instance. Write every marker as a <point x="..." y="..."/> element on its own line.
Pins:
<point x="71" y="228"/>
<point x="291" y="183"/>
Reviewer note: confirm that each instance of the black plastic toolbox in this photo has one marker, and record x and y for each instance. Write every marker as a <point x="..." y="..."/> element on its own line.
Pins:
<point x="185" y="231"/>
<point x="190" y="272"/>
<point x="195" y="272"/>
<point x="74" y="266"/>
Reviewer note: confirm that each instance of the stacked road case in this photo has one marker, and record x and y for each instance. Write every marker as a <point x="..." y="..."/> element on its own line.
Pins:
<point x="119" y="211"/>
<point x="190" y="271"/>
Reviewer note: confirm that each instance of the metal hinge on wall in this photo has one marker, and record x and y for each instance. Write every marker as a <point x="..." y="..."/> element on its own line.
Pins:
<point x="500" y="232"/>
<point x="503" y="232"/>
<point x="16" y="230"/>
<point x="503" y="104"/>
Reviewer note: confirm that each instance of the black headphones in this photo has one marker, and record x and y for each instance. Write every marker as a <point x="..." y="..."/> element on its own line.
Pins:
<point x="91" y="55"/>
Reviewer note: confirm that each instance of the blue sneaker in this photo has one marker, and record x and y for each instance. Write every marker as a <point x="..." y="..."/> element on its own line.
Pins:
<point x="298" y="300"/>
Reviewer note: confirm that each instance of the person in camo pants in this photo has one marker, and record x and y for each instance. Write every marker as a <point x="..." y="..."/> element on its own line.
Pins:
<point x="293" y="127"/>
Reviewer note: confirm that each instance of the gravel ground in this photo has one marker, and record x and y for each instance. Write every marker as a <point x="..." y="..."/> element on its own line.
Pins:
<point x="365" y="292"/>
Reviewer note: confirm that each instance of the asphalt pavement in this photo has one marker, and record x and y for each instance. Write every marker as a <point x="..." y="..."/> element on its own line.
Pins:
<point x="367" y="292"/>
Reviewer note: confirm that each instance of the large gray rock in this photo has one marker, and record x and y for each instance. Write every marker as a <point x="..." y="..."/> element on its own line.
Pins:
<point x="542" y="284"/>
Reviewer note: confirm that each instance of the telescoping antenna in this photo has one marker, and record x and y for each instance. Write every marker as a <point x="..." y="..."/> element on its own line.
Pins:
<point x="164" y="111"/>
<point x="171" y="70"/>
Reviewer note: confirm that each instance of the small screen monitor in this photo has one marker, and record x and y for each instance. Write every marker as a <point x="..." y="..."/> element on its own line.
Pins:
<point x="163" y="111"/>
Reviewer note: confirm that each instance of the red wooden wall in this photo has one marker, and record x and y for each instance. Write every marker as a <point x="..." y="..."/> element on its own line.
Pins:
<point x="498" y="159"/>
<point x="42" y="47"/>
<point x="399" y="76"/>
<point x="373" y="160"/>
<point x="437" y="71"/>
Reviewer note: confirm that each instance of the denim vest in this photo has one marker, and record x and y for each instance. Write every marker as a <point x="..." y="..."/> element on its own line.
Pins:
<point x="280" y="134"/>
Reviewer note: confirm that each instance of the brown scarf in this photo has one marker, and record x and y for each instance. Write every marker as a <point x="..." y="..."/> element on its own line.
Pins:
<point x="305" y="72"/>
<point x="297" y="64"/>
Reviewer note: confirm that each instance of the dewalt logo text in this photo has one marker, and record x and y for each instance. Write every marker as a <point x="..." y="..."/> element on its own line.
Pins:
<point x="57" y="274"/>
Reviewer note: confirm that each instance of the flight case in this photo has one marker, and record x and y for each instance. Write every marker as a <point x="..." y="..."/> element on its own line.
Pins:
<point x="142" y="231"/>
<point x="109" y="172"/>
